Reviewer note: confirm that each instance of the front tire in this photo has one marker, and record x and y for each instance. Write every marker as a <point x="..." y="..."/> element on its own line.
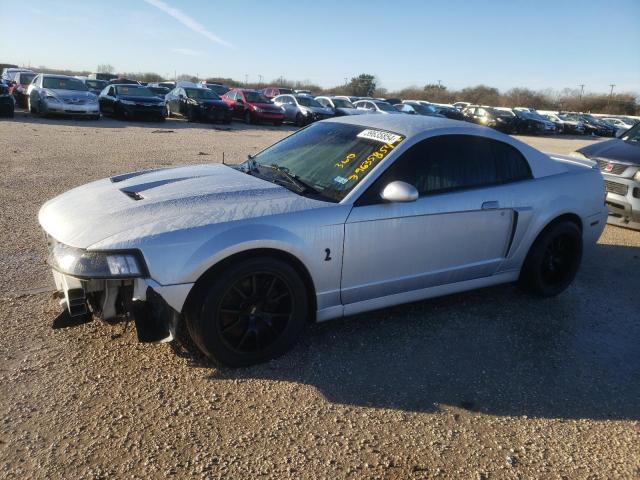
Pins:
<point x="247" y="117"/>
<point x="553" y="260"/>
<point x="253" y="311"/>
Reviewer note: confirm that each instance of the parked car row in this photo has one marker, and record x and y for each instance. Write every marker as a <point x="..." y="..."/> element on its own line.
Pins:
<point x="205" y="101"/>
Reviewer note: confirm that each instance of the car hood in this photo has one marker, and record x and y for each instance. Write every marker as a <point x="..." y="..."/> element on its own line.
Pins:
<point x="142" y="99"/>
<point x="79" y="94"/>
<point x="146" y="203"/>
<point x="350" y="111"/>
<point x="269" y="107"/>
<point x="614" y="149"/>
<point x="216" y="103"/>
<point x="322" y="110"/>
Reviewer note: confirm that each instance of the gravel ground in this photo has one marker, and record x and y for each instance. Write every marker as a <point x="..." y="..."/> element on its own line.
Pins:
<point x="488" y="384"/>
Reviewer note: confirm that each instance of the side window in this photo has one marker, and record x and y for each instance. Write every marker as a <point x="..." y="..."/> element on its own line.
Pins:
<point x="453" y="162"/>
<point x="112" y="92"/>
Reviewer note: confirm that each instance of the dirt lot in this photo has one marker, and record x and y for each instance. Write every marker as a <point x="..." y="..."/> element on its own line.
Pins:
<point x="488" y="384"/>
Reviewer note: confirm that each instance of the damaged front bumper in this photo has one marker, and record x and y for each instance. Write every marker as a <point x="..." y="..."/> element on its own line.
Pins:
<point x="140" y="299"/>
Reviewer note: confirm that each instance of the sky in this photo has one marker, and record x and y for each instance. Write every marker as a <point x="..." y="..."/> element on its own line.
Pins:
<point x="512" y="43"/>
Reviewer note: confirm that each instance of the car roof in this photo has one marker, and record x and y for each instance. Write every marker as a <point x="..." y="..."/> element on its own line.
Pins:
<point x="407" y="125"/>
<point x="53" y="75"/>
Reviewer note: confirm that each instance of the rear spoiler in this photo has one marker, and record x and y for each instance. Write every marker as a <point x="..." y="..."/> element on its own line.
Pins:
<point x="582" y="162"/>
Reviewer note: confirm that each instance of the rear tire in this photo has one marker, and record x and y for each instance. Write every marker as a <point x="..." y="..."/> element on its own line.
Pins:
<point x="253" y="311"/>
<point x="299" y="120"/>
<point x="553" y="260"/>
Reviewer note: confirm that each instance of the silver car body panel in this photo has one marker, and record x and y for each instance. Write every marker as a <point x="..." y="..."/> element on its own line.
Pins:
<point x="187" y="219"/>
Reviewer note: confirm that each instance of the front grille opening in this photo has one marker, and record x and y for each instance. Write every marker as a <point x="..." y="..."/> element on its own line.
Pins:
<point x="617" y="188"/>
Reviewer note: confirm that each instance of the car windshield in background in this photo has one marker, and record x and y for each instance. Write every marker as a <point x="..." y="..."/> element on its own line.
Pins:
<point x="159" y="90"/>
<point x="633" y="135"/>
<point x="97" y="84"/>
<point x="134" y="91"/>
<point x="255" y="97"/>
<point x="308" y="102"/>
<point x="502" y="113"/>
<point x="218" y="89"/>
<point x="284" y="91"/>
<point x="25" y="78"/>
<point x="424" y="109"/>
<point x="341" y="103"/>
<point x="384" y="106"/>
<point x="331" y="157"/>
<point x="201" y="94"/>
<point x="55" y="83"/>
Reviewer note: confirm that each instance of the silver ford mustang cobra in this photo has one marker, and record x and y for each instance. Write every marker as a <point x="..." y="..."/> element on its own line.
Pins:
<point x="347" y="215"/>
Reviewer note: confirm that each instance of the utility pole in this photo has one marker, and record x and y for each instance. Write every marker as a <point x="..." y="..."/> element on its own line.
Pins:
<point x="246" y="79"/>
<point x="260" y="78"/>
<point x="439" y="83"/>
<point x="610" y="94"/>
<point x="346" y="80"/>
<point x="581" y="85"/>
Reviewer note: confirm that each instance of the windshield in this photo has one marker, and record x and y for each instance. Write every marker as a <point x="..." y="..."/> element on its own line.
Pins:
<point x="159" y="90"/>
<point x="284" y="91"/>
<point x="632" y="135"/>
<point x="423" y="109"/>
<point x="201" y="94"/>
<point x="501" y="113"/>
<point x="96" y="84"/>
<point x="308" y="102"/>
<point x="25" y="78"/>
<point x="331" y="157"/>
<point x="218" y="89"/>
<point x="342" y="103"/>
<point x="57" y="83"/>
<point x="255" y="97"/>
<point x="385" y="107"/>
<point x="134" y="90"/>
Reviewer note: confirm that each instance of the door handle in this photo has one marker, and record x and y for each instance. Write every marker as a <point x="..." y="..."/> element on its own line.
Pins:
<point x="492" y="205"/>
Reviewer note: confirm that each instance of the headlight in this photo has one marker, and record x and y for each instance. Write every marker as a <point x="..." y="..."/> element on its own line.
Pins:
<point x="578" y="155"/>
<point x="127" y="102"/>
<point x="259" y="110"/>
<point x="93" y="99"/>
<point x="87" y="264"/>
<point x="51" y="98"/>
<point x="636" y="177"/>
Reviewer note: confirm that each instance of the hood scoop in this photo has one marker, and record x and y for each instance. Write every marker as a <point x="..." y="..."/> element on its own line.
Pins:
<point x="133" y="191"/>
<point x="127" y="176"/>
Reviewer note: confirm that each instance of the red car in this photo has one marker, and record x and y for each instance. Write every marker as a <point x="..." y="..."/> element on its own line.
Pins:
<point x="251" y="106"/>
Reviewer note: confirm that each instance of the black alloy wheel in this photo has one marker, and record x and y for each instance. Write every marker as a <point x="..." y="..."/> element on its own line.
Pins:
<point x="254" y="312"/>
<point x="553" y="260"/>
<point x="251" y="312"/>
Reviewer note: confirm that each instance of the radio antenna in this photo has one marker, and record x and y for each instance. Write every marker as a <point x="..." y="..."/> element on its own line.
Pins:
<point x="223" y="157"/>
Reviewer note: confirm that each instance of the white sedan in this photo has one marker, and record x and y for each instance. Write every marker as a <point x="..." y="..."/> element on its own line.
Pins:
<point x="347" y="215"/>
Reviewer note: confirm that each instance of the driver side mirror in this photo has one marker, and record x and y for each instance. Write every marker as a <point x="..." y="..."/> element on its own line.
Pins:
<point x="239" y="100"/>
<point x="401" y="192"/>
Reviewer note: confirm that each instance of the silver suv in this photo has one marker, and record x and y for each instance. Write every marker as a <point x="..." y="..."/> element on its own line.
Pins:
<point x="619" y="162"/>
